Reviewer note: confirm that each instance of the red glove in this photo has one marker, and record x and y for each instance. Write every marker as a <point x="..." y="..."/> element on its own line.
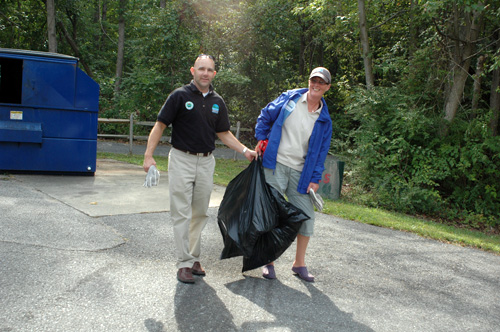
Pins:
<point x="263" y="145"/>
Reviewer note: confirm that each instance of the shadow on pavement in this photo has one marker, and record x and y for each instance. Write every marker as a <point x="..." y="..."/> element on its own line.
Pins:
<point x="293" y="309"/>
<point x="199" y="308"/>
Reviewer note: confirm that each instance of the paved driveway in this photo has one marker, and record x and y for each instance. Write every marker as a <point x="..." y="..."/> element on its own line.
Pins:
<point x="96" y="254"/>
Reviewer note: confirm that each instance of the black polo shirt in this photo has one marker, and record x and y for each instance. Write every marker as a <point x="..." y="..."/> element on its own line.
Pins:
<point x="195" y="119"/>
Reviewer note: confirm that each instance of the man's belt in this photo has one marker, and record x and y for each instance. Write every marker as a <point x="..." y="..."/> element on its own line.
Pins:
<point x="198" y="154"/>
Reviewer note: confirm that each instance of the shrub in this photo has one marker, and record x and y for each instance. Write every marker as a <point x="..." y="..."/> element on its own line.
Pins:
<point x="401" y="164"/>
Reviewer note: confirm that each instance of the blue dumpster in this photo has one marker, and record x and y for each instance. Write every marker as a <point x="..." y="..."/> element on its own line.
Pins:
<point x="48" y="113"/>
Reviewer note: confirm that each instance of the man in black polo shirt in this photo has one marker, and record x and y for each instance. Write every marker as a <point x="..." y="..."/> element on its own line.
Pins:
<point x="197" y="114"/>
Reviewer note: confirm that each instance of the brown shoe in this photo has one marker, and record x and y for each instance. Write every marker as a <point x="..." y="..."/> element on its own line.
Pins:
<point x="184" y="275"/>
<point x="197" y="269"/>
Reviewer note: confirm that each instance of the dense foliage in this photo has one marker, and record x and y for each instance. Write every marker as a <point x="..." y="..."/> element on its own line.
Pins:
<point x="423" y="140"/>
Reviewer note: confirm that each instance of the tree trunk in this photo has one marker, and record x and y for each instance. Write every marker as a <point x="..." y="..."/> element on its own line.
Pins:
<point x="302" y="55"/>
<point x="74" y="47"/>
<point x="51" y="26"/>
<point x="121" y="47"/>
<point x="495" y="93"/>
<point x="97" y="11"/>
<point x="412" y="29"/>
<point x="366" y="45"/>
<point x="495" y="102"/>
<point x="102" y="11"/>
<point x="464" y="48"/>
<point x="476" y="94"/>
<point x="302" y="50"/>
<point x="456" y="91"/>
<point x="163" y="3"/>
<point x="321" y="55"/>
<point x="104" y="16"/>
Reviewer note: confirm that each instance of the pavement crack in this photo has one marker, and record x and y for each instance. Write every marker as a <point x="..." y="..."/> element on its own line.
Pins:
<point x="35" y="245"/>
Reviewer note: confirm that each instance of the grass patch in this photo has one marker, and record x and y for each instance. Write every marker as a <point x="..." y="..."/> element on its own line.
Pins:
<point x="424" y="228"/>
<point x="133" y="159"/>
<point x="227" y="169"/>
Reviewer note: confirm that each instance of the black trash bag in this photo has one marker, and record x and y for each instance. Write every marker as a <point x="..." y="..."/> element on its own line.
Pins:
<point x="245" y="211"/>
<point x="272" y="244"/>
<point x="255" y="220"/>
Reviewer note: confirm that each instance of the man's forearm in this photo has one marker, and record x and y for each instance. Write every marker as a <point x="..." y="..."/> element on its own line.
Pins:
<point x="154" y="138"/>
<point x="231" y="141"/>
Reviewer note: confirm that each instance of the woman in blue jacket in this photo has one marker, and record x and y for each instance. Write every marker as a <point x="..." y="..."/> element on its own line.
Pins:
<point x="298" y="130"/>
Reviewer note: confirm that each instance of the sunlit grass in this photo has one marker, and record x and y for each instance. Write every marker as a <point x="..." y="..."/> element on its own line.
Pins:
<point x="402" y="222"/>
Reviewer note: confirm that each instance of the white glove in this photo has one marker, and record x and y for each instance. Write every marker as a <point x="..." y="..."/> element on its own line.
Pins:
<point x="316" y="200"/>
<point x="152" y="178"/>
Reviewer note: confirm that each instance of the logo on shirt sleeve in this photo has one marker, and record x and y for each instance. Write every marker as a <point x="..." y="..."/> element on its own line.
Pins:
<point x="215" y="109"/>
<point x="189" y="105"/>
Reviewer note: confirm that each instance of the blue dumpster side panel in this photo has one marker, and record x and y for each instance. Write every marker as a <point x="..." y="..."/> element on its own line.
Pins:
<point x="87" y="92"/>
<point x="14" y="131"/>
<point x="48" y="84"/>
<point x="52" y="155"/>
<point x="54" y="128"/>
<point x="56" y="123"/>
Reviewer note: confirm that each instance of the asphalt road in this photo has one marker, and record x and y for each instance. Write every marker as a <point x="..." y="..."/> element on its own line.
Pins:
<point x="96" y="254"/>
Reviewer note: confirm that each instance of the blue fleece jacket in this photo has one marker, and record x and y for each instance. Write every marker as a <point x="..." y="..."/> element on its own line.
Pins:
<point x="269" y="126"/>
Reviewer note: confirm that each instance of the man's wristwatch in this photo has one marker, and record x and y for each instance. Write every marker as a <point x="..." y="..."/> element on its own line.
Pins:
<point x="245" y="149"/>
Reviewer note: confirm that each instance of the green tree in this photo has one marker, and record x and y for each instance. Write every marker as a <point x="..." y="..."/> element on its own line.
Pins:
<point x="423" y="52"/>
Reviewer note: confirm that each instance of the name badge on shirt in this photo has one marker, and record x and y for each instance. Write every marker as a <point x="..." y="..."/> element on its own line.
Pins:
<point x="290" y="106"/>
<point x="215" y="109"/>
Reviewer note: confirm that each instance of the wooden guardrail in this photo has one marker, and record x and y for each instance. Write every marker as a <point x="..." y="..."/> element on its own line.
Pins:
<point x="132" y="122"/>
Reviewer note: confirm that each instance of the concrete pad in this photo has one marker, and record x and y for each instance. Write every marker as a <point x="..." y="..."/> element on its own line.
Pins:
<point x="116" y="188"/>
<point x="29" y="217"/>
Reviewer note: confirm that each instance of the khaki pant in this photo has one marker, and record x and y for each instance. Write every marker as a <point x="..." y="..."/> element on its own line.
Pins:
<point x="190" y="186"/>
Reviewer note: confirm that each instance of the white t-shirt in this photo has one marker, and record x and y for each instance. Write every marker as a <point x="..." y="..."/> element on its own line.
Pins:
<point x="295" y="134"/>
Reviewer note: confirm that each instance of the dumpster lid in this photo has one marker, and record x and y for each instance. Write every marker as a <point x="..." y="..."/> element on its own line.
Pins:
<point x="37" y="53"/>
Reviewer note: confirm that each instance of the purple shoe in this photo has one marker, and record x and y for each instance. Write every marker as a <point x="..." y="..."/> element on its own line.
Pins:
<point x="302" y="273"/>
<point x="268" y="272"/>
